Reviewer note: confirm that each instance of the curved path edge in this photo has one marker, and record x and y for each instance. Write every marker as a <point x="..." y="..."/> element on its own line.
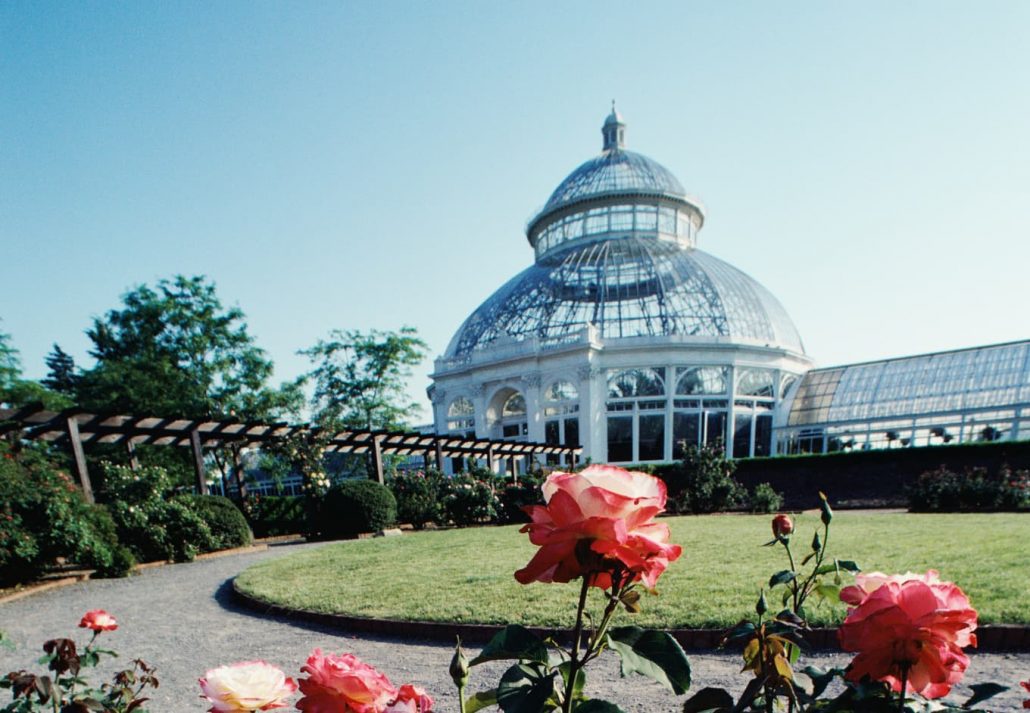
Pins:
<point x="993" y="637"/>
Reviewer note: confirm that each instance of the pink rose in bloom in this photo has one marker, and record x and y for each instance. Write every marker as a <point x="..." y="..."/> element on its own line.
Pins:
<point x="246" y="686"/>
<point x="782" y="526"/>
<point x="343" y="683"/>
<point x="98" y="620"/>
<point x="411" y="699"/>
<point x="595" y="519"/>
<point x="910" y="621"/>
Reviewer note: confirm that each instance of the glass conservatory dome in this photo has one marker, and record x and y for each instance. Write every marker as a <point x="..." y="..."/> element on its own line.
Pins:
<point x="616" y="249"/>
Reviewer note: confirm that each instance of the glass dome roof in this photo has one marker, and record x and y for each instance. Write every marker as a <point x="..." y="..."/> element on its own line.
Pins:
<point x="617" y="264"/>
<point x="614" y="171"/>
<point x="628" y="287"/>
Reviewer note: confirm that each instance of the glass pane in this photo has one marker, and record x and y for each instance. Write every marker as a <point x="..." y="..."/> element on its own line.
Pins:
<point x="652" y="437"/>
<point x="716" y="429"/>
<point x="763" y="434"/>
<point x="551" y="432"/>
<point x="742" y="435"/>
<point x="756" y="382"/>
<point x="620" y="439"/>
<point x="561" y="391"/>
<point x="686" y="431"/>
<point x="514" y="406"/>
<point x="572" y="431"/>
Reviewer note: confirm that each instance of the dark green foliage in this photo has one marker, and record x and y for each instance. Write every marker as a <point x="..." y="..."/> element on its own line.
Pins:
<point x="272" y="515"/>
<point x="702" y="482"/>
<point x="975" y="490"/>
<point x="418" y="497"/>
<point x="355" y="506"/>
<point x="512" y="498"/>
<point x="469" y="498"/>
<point x="150" y="523"/>
<point x="62" y="375"/>
<point x="228" y="526"/>
<point x="43" y="516"/>
<point x="765" y="499"/>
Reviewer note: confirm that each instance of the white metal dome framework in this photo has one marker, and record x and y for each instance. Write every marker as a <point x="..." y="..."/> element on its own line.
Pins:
<point x="619" y="292"/>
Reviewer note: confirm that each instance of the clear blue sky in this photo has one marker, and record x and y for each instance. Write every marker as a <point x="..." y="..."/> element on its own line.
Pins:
<point x="359" y="165"/>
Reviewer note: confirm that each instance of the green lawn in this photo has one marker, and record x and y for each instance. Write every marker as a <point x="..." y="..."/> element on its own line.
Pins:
<point x="466" y="575"/>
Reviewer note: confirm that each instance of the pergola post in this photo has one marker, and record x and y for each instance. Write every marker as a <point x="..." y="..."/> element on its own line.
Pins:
<point x="198" y="461"/>
<point x="491" y="461"/>
<point x="79" y="458"/>
<point x="377" y="458"/>
<point x="130" y="448"/>
<point x="439" y="455"/>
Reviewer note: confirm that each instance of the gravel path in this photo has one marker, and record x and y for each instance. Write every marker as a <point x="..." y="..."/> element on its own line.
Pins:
<point x="182" y="619"/>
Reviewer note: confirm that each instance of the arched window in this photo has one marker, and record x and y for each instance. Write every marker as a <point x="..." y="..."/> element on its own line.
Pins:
<point x="700" y="407"/>
<point x="635" y="382"/>
<point x="636" y="415"/>
<point x="753" y="405"/>
<point x="461" y="415"/>
<point x="702" y="380"/>
<point x="514" y="406"/>
<point x="561" y="414"/>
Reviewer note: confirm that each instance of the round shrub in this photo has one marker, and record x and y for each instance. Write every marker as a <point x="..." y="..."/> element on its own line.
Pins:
<point x="356" y="506"/>
<point x="766" y="499"/>
<point x="228" y="526"/>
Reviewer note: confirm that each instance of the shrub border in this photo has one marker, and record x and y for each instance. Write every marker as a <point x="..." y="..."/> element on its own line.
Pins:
<point x="990" y="638"/>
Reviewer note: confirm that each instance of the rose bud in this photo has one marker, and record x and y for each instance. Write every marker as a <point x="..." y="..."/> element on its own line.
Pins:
<point x="782" y="526"/>
<point x="459" y="668"/>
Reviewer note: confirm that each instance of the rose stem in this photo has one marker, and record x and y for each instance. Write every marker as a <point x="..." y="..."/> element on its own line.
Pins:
<point x="577" y="636"/>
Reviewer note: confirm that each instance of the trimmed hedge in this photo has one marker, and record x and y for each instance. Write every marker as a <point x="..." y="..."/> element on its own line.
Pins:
<point x="976" y="490"/>
<point x="228" y="526"/>
<point x="272" y="515"/>
<point x="355" y="506"/>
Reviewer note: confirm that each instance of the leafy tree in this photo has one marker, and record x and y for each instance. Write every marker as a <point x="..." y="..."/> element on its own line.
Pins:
<point x="62" y="377"/>
<point x="175" y="350"/>
<point x="18" y="391"/>
<point x="359" y="378"/>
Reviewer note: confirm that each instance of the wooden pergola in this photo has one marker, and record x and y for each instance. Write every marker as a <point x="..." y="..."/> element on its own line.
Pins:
<point x="77" y="429"/>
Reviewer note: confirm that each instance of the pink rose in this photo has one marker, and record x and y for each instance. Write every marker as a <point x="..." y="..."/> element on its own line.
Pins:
<point x="908" y="623"/>
<point x="98" y="620"/>
<point x="246" y="686"/>
<point x="596" y="521"/>
<point x="782" y="526"/>
<point x="411" y="699"/>
<point x="343" y="682"/>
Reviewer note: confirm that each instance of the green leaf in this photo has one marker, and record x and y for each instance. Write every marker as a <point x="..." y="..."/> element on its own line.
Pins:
<point x="654" y="654"/>
<point x="481" y="700"/>
<point x="743" y="630"/>
<point x="709" y="700"/>
<point x="849" y="565"/>
<point x="781" y="578"/>
<point x="596" y="706"/>
<point x="525" y="689"/>
<point x="513" y="642"/>
<point x="983" y="691"/>
<point x="828" y="591"/>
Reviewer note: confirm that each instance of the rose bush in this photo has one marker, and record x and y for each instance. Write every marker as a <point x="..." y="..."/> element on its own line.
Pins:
<point x="909" y="631"/>
<point x="343" y="683"/>
<point x="593" y="519"/>
<point x="245" y="687"/>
